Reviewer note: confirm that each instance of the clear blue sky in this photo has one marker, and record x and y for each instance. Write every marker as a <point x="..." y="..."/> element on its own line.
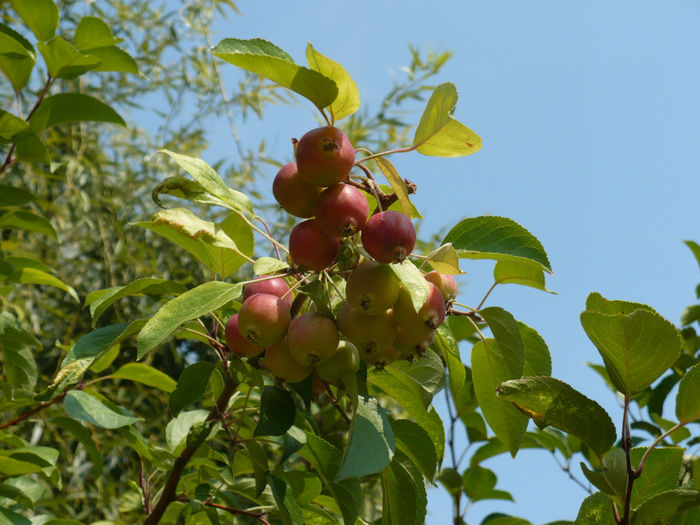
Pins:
<point x="589" y="118"/>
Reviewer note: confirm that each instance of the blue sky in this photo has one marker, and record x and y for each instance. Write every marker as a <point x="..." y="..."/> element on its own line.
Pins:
<point x="589" y="118"/>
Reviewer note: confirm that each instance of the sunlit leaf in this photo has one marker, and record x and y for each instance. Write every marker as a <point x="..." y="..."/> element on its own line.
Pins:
<point x="83" y="406"/>
<point x="29" y="271"/>
<point x="146" y="375"/>
<point x="64" y="61"/>
<point x="665" y="505"/>
<point x="596" y="509"/>
<point x="688" y="397"/>
<point x="413" y="282"/>
<point x="115" y="59"/>
<point x="72" y="107"/>
<point x="41" y="16"/>
<point x="24" y="220"/>
<point x="17" y="57"/>
<point x="517" y="272"/>
<point x="397" y="185"/>
<point x="347" y="101"/>
<point x="445" y="260"/>
<point x="404" y="498"/>
<point x="93" y="32"/>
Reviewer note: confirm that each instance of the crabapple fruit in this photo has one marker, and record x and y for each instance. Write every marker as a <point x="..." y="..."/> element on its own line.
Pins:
<point x="283" y="366"/>
<point x="445" y="283"/>
<point x="342" y="210"/>
<point x="263" y="319"/>
<point x="297" y="197"/>
<point x="369" y="333"/>
<point x="310" y="248"/>
<point x="372" y="287"/>
<point x="275" y="286"/>
<point x="428" y="318"/>
<point x="343" y="363"/>
<point x="235" y="341"/>
<point x="324" y="156"/>
<point x="389" y="236"/>
<point x="312" y="337"/>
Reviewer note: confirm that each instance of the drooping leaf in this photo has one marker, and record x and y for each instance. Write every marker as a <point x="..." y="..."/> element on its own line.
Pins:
<point x="665" y="505"/>
<point x="63" y="60"/>
<point x="347" y="101"/>
<point x="192" y="304"/>
<point x="29" y="271"/>
<point x="506" y="331"/>
<point x="404" y="499"/>
<point x="413" y="282"/>
<point x="428" y="372"/>
<point x="479" y="483"/>
<point x="596" y="509"/>
<point x="276" y="412"/>
<point x="93" y="344"/>
<point x="64" y="108"/>
<point x="397" y="184"/>
<point x="85" y="407"/>
<point x="688" y="397"/>
<point x="146" y="375"/>
<point x="489" y="370"/>
<point x="287" y="504"/>
<point x="612" y="477"/>
<point x="637" y="347"/>
<point x="695" y="248"/>
<point x="413" y="441"/>
<point x="210" y="180"/>
<point x="497" y="238"/>
<point x="517" y="272"/>
<point x="267" y="60"/>
<point x="538" y="361"/>
<point x="24" y="220"/>
<point x="17" y="57"/>
<point x="100" y="300"/>
<point x="660" y="473"/>
<point x="438" y="133"/>
<point x="190" y="386"/>
<point x="371" y="444"/>
<point x="41" y="16"/>
<point x="549" y="401"/>
<point x="93" y="32"/>
<point x="445" y="260"/>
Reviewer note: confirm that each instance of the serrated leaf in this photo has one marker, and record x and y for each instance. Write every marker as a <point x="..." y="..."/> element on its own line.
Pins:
<point x="93" y="32"/>
<point x="688" y="397"/>
<point x="438" y="133"/>
<point x="24" y="220"/>
<point x="210" y="180"/>
<point x="276" y="412"/>
<point x="63" y="60"/>
<point x="524" y="273"/>
<point x="403" y="493"/>
<point x="637" y="347"/>
<point x="17" y="57"/>
<point x="549" y="401"/>
<point x="413" y="441"/>
<point x="64" y="108"/>
<point x="83" y="406"/>
<point x="397" y="185"/>
<point x="428" y="372"/>
<point x="371" y="444"/>
<point x="596" y="509"/>
<point x="267" y="60"/>
<point x="192" y="304"/>
<point x="506" y="331"/>
<point x="597" y="303"/>
<point x="100" y="300"/>
<point x="29" y="271"/>
<point x="660" y="473"/>
<point x="41" y="16"/>
<point x="445" y="260"/>
<point x="665" y="505"/>
<point x="347" y="101"/>
<point x="209" y="242"/>
<point x="497" y="238"/>
<point x="612" y="477"/>
<point x="146" y="375"/>
<point x="190" y="386"/>
<point x="413" y="282"/>
<point x="489" y="370"/>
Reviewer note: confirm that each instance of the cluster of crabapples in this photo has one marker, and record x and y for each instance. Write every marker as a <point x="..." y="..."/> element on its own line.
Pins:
<point x="377" y="321"/>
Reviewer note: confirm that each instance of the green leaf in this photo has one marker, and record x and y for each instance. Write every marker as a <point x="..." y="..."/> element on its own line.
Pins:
<point x="12" y="518"/>
<point x="413" y="441"/>
<point x="190" y="386"/>
<point x="460" y="382"/>
<point x="17" y="57"/>
<point x="29" y="271"/>
<point x="41" y="16"/>
<point x="413" y="282"/>
<point x="192" y="304"/>
<point x="517" y="272"/>
<point x="267" y="60"/>
<point x="596" y="509"/>
<point x="268" y="266"/>
<point x="695" y="248"/>
<point x="276" y="412"/>
<point x="612" y="478"/>
<point x="690" y="315"/>
<point x="179" y="427"/>
<point x="428" y="372"/>
<point x="11" y="127"/>
<point x="114" y="59"/>
<point x="93" y="32"/>
<point x="403" y="493"/>
<point x="72" y="107"/>
<point x="24" y="220"/>
<point x="326" y="460"/>
<point x="688" y="397"/>
<point x="597" y="303"/>
<point x="489" y="370"/>
<point x="549" y="401"/>
<point x="83" y="406"/>
<point x="660" y="473"/>
<point x="19" y="367"/>
<point x="438" y="133"/>
<point x="371" y="444"/>
<point x="84" y="436"/>
<point x="479" y="484"/>
<point x="63" y="60"/>
<point x="306" y="485"/>
<point x="497" y="238"/>
<point x="445" y="260"/>
<point x="14" y="467"/>
<point x="287" y="504"/>
<point x="397" y="184"/>
<point x="637" y="347"/>
<point x="93" y="344"/>
<point x="146" y="375"/>
<point x="100" y="300"/>
<point x="538" y="361"/>
<point x="665" y="505"/>
<point x="30" y="148"/>
<point x="207" y="241"/>
<point x="210" y="180"/>
<point x="258" y="458"/>
<point x="506" y="331"/>
<point x="347" y="101"/>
